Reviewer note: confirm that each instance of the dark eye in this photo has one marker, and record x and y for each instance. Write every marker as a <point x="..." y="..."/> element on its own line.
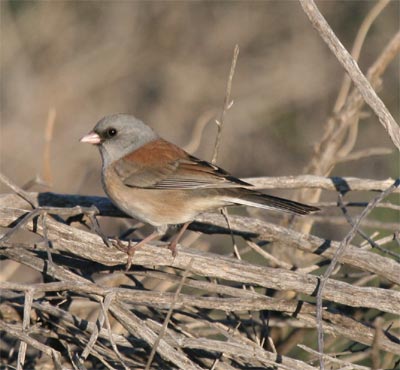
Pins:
<point x="111" y="132"/>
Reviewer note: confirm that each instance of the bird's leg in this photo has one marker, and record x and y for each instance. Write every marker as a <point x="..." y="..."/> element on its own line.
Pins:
<point x="172" y="245"/>
<point x="131" y="249"/>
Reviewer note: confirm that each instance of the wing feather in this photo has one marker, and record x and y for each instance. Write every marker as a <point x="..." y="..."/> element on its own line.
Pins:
<point x="162" y="165"/>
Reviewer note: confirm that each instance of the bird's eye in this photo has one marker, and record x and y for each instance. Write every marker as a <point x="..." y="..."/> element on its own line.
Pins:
<point x="111" y="132"/>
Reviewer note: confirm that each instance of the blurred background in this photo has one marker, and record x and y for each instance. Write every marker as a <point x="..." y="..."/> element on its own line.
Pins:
<point x="167" y="63"/>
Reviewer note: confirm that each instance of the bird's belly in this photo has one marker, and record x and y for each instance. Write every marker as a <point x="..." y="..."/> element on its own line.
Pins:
<point x="156" y="206"/>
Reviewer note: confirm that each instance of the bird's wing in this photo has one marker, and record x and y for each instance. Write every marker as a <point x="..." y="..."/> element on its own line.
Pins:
<point x="162" y="165"/>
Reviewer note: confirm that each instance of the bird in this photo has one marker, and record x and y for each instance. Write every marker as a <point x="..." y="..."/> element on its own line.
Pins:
<point x="158" y="183"/>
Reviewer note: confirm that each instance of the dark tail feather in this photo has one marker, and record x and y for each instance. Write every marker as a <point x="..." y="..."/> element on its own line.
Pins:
<point x="260" y="200"/>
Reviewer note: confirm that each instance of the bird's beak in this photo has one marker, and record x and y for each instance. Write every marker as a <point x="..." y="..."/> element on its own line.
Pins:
<point x="91" y="138"/>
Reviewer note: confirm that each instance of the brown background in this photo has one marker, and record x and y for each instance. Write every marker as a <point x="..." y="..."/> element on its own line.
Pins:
<point x="167" y="63"/>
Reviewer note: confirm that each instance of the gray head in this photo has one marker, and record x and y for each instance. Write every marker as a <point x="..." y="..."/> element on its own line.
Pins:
<point x="118" y="135"/>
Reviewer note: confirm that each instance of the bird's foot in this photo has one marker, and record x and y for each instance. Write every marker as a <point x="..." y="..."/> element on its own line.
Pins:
<point x="108" y="242"/>
<point x="131" y="249"/>
<point x="174" y="242"/>
<point x="172" y="247"/>
<point x="128" y="249"/>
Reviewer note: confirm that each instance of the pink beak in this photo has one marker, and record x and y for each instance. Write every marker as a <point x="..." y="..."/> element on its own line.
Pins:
<point x="91" y="138"/>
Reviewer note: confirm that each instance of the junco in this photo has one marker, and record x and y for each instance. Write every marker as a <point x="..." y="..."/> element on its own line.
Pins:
<point x="158" y="183"/>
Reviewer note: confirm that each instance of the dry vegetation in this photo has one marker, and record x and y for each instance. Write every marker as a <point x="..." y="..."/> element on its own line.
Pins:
<point x="246" y="291"/>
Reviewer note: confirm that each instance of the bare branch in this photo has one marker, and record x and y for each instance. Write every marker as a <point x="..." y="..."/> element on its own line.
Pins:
<point x="225" y="268"/>
<point x="246" y="226"/>
<point x="350" y="65"/>
<point x="25" y="327"/>
<point x="356" y="50"/>
<point x="16" y="332"/>
<point x="17" y="190"/>
<point x="227" y="104"/>
<point x="168" y="317"/>
<point x="343" y="245"/>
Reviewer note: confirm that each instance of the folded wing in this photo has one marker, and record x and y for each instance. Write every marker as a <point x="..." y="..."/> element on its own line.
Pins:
<point x="162" y="165"/>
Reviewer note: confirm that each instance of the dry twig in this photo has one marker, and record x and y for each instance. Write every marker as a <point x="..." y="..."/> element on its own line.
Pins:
<point x="227" y="105"/>
<point x="343" y="245"/>
<point x="361" y="82"/>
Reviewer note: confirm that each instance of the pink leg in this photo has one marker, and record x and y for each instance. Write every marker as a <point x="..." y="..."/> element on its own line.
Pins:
<point x="131" y="249"/>
<point x="172" y="245"/>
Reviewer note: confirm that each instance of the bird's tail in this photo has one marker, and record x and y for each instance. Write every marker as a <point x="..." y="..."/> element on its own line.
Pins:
<point x="255" y="199"/>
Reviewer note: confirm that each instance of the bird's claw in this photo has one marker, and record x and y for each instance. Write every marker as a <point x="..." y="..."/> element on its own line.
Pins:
<point x="172" y="248"/>
<point x="129" y="250"/>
